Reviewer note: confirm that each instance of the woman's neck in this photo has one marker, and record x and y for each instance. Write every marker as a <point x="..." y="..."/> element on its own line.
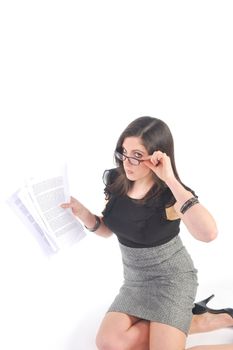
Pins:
<point x="140" y="188"/>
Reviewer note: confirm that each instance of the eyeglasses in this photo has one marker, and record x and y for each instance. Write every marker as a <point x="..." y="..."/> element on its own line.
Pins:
<point x="132" y="160"/>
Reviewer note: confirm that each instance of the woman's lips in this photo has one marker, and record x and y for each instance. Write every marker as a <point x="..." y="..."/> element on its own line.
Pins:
<point x="129" y="171"/>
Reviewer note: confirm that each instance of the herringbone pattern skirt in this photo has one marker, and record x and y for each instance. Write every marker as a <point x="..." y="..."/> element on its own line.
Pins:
<point x="160" y="284"/>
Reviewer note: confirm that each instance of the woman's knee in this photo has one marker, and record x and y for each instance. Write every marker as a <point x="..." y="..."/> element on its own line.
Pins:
<point x="110" y="342"/>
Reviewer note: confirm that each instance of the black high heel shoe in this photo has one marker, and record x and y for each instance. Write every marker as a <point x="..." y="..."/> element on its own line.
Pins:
<point x="201" y="307"/>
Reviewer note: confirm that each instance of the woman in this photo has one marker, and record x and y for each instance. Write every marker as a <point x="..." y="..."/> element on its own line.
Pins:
<point x="146" y="201"/>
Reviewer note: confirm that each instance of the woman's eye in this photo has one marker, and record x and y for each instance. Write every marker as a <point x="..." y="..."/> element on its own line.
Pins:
<point x="137" y="155"/>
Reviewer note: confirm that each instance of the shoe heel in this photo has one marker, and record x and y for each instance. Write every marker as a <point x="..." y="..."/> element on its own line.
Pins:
<point x="200" y="307"/>
<point x="205" y="301"/>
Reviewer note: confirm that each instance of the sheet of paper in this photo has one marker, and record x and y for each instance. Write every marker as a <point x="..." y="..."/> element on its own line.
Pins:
<point x="39" y="202"/>
<point x="32" y="224"/>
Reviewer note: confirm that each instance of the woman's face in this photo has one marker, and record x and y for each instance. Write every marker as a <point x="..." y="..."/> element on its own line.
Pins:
<point x="132" y="147"/>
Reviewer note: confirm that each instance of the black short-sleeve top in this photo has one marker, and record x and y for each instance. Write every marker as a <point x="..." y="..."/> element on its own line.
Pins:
<point x="137" y="224"/>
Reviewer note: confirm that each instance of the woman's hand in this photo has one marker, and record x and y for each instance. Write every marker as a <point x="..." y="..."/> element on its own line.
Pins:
<point x="74" y="205"/>
<point x="160" y="164"/>
<point x="88" y="218"/>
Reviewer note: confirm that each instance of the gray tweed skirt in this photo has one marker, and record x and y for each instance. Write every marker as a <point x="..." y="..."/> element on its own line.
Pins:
<point x="160" y="284"/>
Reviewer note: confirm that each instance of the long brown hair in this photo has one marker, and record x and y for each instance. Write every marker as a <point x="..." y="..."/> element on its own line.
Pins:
<point x="155" y="135"/>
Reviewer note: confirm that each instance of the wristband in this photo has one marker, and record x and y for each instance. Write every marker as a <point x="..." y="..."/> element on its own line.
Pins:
<point x="188" y="204"/>
<point x="96" y="226"/>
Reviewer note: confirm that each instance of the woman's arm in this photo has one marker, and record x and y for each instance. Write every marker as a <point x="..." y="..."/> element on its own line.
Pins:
<point x="197" y="219"/>
<point x="87" y="218"/>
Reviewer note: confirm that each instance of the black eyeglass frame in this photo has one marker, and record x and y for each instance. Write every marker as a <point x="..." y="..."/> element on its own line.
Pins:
<point x="123" y="157"/>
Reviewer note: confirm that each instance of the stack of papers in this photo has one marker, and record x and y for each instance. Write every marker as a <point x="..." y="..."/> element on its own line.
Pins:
<point x="38" y="204"/>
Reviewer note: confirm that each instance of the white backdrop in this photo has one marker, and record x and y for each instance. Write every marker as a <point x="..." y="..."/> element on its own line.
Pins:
<point x="73" y="75"/>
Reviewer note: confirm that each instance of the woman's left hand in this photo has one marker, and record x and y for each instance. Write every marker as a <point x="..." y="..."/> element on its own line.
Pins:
<point x="160" y="164"/>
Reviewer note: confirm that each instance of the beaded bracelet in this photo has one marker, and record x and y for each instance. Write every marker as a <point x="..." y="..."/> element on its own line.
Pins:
<point x="188" y="204"/>
<point x="96" y="226"/>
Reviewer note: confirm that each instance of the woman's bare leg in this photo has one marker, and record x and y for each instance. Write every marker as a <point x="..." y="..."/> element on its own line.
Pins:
<point x="209" y="322"/>
<point x="119" y="331"/>
<point x="164" y="337"/>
